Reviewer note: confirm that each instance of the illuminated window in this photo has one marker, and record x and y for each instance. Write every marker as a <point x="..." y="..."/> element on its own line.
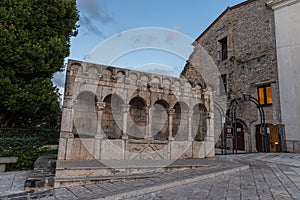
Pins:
<point x="265" y="95"/>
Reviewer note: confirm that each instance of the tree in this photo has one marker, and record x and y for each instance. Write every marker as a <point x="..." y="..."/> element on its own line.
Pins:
<point x="34" y="40"/>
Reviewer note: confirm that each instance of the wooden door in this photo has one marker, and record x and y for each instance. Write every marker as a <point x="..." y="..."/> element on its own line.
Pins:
<point x="240" y="137"/>
<point x="258" y="138"/>
<point x="274" y="138"/>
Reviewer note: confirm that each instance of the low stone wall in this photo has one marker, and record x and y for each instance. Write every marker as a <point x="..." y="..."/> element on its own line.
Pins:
<point x="293" y="146"/>
<point x="89" y="160"/>
<point x="119" y="149"/>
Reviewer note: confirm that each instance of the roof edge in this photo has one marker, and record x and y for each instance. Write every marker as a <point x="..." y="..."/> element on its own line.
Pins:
<point x="222" y="14"/>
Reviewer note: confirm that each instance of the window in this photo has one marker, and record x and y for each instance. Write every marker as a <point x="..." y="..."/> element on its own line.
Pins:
<point x="224" y="80"/>
<point x="265" y="95"/>
<point x="224" y="52"/>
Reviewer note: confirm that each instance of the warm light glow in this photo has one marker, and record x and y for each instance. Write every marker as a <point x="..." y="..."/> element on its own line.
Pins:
<point x="265" y="95"/>
<point x="269" y="94"/>
<point x="261" y="96"/>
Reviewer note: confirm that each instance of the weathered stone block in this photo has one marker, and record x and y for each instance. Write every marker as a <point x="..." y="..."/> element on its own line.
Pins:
<point x="198" y="149"/>
<point x="181" y="149"/>
<point x="209" y="149"/>
<point x="87" y="148"/>
<point x="112" y="149"/>
<point x="62" y="148"/>
<point x="145" y="150"/>
<point x="65" y="120"/>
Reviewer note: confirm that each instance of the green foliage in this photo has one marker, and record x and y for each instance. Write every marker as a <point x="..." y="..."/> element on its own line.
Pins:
<point x="35" y="39"/>
<point x="26" y="149"/>
<point x="43" y="134"/>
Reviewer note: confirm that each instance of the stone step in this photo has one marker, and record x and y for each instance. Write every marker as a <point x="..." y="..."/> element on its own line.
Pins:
<point x="42" y="176"/>
<point x="80" y="172"/>
<point x="75" y="164"/>
<point x="131" y="188"/>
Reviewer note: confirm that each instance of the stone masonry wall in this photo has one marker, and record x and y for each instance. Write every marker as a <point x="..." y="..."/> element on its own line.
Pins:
<point x="251" y="62"/>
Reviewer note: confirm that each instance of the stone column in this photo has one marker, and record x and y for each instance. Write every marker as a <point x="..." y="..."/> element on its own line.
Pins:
<point x="125" y="109"/>
<point x="170" y="117"/>
<point x="100" y="108"/>
<point x="99" y="134"/>
<point x="189" y="119"/>
<point x="149" y="123"/>
<point x="210" y="138"/>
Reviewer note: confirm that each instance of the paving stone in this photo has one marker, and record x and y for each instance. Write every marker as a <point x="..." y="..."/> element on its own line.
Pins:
<point x="95" y="189"/>
<point x="82" y="192"/>
<point x="107" y="186"/>
<point x="264" y="181"/>
<point x="64" y="194"/>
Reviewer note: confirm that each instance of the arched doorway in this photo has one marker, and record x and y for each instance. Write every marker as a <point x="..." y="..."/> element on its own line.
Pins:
<point x="111" y="121"/>
<point x="137" y="119"/>
<point x="160" y="120"/>
<point x="199" y="126"/>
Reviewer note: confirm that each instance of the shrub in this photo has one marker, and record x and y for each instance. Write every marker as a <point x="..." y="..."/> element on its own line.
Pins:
<point x="26" y="149"/>
<point x="47" y="136"/>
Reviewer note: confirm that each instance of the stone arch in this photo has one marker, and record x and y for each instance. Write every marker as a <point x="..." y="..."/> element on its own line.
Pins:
<point x="144" y="78"/>
<point x="92" y="88"/>
<point x="120" y="75"/>
<point x="112" y="116"/>
<point x="166" y="82"/>
<point x="155" y="79"/>
<point x="180" y="121"/>
<point x="107" y="72"/>
<point x="198" y="87"/>
<point x="92" y="72"/>
<point x="177" y="85"/>
<point x="133" y="77"/>
<point x="160" y="119"/>
<point x="137" y="118"/>
<point x="85" y="115"/>
<point x="175" y="99"/>
<point x="199" y="126"/>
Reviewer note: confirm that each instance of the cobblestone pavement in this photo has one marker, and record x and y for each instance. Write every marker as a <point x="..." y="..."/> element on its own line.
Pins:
<point x="269" y="176"/>
<point x="132" y="186"/>
<point x="12" y="182"/>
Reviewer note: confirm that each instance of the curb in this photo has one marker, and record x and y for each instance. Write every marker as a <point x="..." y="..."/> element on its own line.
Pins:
<point x="143" y="191"/>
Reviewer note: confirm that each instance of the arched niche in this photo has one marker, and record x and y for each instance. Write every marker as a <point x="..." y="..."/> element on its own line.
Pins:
<point x="112" y="116"/>
<point x="160" y="120"/>
<point x="137" y="118"/>
<point x="180" y="121"/>
<point x="199" y="126"/>
<point x="85" y="115"/>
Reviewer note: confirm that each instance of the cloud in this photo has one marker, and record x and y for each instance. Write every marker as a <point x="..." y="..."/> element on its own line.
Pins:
<point x="85" y="21"/>
<point x="92" y="13"/>
<point x="59" y="79"/>
<point x="144" y="38"/>
<point x="172" y="36"/>
<point x="157" y="68"/>
<point x="154" y="38"/>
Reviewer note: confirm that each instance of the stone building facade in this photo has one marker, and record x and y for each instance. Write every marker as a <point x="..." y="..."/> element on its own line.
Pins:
<point x="287" y="29"/>
<point x="241" y="42"/>
<point x="119" y="114"/>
